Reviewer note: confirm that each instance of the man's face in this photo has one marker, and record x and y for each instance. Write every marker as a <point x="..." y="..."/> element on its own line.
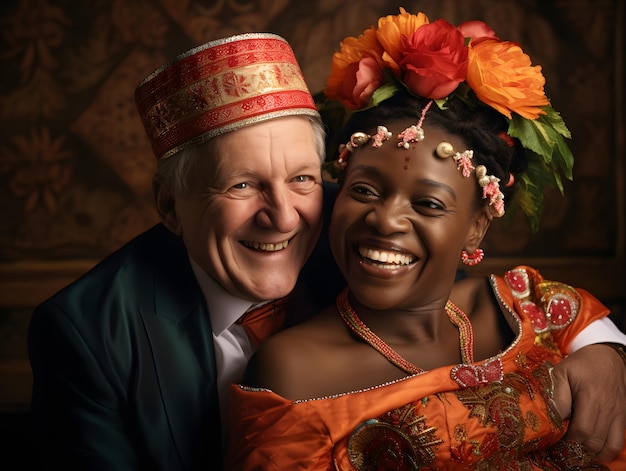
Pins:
<point x="253" y="214"/>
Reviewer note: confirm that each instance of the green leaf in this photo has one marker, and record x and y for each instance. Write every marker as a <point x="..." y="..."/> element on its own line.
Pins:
<point x="464" y="93"/>
<point x="545" y="138"/>
<point x="530" y="195"/>
<point x="382" y="93"/>
<point x="553" y="117"/>
<point x="530" y="200"/>
<point x="564" y="158"/>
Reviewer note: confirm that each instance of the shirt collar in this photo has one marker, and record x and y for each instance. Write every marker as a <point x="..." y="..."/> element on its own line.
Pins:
<point x="224" y="308"/>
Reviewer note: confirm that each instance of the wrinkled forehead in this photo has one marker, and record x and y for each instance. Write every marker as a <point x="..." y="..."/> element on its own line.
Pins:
<point x="282" y="142"/>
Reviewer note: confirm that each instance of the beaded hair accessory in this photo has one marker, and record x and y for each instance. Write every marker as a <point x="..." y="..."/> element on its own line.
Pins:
<point x="489" y="183"/>
<point x="438" y="61"/>
<point x="415" y="133"/>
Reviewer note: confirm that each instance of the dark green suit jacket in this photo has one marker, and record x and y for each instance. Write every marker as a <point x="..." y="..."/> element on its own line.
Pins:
<point x="124" y="366"/>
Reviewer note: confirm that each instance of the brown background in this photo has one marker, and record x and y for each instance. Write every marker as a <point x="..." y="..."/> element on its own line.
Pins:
<point x="76" y="168"/>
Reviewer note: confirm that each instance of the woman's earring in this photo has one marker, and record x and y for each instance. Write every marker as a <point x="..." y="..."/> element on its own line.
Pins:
<point x="474" y="258"/>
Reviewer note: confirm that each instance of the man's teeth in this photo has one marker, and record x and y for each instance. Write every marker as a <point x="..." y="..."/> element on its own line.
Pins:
<point x="267" y="247"/>
<point x="383" y="256"/>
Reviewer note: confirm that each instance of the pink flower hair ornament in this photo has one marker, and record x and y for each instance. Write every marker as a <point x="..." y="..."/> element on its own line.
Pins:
<point x="438" y="61"/>
<point x="490" y="184"/>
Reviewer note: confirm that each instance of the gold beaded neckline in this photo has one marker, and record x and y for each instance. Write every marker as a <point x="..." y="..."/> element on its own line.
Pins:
<point x="456" y="316"/>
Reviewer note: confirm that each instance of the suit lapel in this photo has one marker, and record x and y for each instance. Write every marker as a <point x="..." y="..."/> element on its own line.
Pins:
<point x="180" y="334"/>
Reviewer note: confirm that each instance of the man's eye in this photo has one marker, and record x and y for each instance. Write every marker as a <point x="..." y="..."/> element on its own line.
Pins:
<point x="241" y="186"/>
<point x="302" y="178"/>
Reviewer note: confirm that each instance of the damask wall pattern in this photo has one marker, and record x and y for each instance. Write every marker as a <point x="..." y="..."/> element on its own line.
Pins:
<point x="76" y="167"/>
<point x="75" y="164"/>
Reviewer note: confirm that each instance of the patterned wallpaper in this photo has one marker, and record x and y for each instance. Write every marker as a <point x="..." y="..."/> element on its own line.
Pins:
<point x="76" y="167"/>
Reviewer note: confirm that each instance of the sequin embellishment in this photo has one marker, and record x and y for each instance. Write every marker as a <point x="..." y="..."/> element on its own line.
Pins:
<point x="549" y="305"/>
<point x="400" y="439"/>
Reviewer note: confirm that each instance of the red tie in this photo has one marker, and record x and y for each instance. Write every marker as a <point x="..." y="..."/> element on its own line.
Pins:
<point x="262" y="322"/>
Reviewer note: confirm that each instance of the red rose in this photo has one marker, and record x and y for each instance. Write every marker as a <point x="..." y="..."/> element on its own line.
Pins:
<point x="434" y="60"/>
<point x="477" y="30"/>
<point x="361" y="81"/>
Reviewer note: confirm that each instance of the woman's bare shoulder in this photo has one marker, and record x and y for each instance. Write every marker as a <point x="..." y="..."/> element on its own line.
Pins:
<point x="288" y="361"/>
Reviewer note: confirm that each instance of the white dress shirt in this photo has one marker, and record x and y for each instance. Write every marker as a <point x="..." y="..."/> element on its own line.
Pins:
<point x="601" y="330"/>
<point x="233" y="348"/>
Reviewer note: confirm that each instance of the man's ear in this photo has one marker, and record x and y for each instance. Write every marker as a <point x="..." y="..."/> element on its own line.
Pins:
<point x="166" y="206"/>
<point x="478" y="229"/>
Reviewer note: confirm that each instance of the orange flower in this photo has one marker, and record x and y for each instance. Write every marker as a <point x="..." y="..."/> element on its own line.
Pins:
<point x="502" y="76"/>
<point x="357" y="55"/>
<point x="390" y="31"/>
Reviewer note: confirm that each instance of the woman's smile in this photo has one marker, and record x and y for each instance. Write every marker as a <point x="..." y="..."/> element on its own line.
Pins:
<point x="385" y="258"/>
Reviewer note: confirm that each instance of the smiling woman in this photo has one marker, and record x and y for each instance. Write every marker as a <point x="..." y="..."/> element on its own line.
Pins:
<point x="411" y="368"/>
<point x="410" y="204"/>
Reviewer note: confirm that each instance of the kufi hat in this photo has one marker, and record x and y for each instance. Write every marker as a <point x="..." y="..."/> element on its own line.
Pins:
<point x="219" y="87"/>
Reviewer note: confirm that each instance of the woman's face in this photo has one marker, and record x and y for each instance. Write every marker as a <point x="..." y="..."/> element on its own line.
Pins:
<point x="401" y="220"/>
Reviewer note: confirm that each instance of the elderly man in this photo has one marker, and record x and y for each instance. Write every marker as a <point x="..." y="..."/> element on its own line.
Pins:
<point x="132" y="361"/>
<point x="129" y="362"/>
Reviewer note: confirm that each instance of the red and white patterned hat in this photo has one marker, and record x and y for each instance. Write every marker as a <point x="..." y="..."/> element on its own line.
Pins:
<point x="219" y="87"/>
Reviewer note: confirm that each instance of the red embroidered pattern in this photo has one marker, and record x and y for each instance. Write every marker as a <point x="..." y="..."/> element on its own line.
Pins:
<point x="219" y="86"/>
<point x="549" y="305"/>
<point x="473" y="375"/>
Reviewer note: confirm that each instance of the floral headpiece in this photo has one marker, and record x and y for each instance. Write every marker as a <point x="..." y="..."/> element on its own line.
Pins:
<point x="437" y="61"/>
<point x="490" y="184"/>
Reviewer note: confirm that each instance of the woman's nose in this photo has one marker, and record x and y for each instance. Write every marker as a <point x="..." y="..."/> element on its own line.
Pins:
<point x="389" y="217"/>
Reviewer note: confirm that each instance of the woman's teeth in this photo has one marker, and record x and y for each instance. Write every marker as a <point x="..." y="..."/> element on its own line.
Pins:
<point x="383" y="256"/>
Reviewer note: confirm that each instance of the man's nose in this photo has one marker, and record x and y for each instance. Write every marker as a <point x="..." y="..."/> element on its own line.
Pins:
<point x="278" y="212"/>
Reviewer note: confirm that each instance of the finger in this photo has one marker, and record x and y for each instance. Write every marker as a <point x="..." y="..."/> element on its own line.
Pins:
<point x="614" y="441"/>
<point x="585" y="430"/>
<point x="561" y="394"/>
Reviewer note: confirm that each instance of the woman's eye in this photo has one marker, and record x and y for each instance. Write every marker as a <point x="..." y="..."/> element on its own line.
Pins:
<point x="430" y="204"/>
<point x="363" y="190"/>
<point x="301" y="178"/>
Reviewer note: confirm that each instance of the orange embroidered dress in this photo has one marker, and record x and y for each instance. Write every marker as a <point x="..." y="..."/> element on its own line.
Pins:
<point x="492" y="415"/>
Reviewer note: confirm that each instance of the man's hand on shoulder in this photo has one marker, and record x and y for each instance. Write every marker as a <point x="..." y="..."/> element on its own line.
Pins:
<point x="591" y="384"/>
